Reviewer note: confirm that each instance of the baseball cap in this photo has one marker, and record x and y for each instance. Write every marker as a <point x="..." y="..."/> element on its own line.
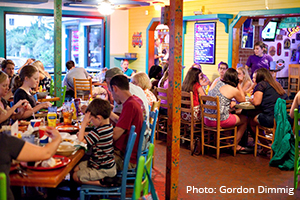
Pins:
<point x="113" y="72"/>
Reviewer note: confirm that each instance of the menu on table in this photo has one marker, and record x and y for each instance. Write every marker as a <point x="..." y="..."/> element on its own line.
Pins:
<point x="205" y="43"/>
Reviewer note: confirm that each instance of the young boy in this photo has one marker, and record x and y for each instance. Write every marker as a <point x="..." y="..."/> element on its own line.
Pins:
<point x="102" y="161"/>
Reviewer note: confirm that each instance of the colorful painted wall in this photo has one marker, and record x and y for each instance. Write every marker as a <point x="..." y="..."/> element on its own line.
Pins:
<point x="138" y="22"/>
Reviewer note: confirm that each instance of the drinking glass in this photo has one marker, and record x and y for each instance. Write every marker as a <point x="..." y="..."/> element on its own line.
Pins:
<point x="67" y="116"/>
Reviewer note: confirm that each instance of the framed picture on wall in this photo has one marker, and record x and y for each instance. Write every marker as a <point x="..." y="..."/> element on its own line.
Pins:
<point x="248" y="35"/>
<point x="205" y="43"/>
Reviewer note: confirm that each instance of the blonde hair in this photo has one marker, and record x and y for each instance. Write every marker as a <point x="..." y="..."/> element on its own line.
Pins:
<point x="3" y="76"/>
<point x="246" y="77"/>
<point x="40" y="66"/>
<point x="142" y="80"/>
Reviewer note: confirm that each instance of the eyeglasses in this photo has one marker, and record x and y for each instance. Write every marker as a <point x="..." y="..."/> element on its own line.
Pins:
<point x="221" y="68"/>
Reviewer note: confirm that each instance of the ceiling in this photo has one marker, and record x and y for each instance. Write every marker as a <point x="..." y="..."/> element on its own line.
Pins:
<point x="119" y="4"/>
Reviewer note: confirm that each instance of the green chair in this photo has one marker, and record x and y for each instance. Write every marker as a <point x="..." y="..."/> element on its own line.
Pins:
<point x="297" y="160"/>
<point x="3" y="186"/>
<point x="51" y="88"/>
<point x="143" y="179"/>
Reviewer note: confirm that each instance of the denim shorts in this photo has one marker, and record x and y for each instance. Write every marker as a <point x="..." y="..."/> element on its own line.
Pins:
<point x="265" y="120"/>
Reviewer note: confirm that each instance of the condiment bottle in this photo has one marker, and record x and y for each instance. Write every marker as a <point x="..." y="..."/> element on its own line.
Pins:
<point x="74" y="111"/>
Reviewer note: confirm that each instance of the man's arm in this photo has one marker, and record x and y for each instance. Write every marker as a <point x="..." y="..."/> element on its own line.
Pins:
<point x="117" y="133"/>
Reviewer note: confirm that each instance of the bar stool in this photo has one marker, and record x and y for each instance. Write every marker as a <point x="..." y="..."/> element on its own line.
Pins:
<point x="293" y="80"/>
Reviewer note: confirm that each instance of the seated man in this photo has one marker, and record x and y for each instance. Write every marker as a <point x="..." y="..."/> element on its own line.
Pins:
<point x="73" y="72"/>
<point x="132" y="114"/>
<point x="133" y="89"/>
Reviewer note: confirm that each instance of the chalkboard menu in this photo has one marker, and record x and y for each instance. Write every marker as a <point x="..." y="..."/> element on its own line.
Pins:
<point x="205" y="43"/>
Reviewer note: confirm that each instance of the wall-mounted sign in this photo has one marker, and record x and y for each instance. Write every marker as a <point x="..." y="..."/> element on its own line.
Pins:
<point x="137" y="39"/>
<point x="294" y="30"/>
<point x="205" y="43"/>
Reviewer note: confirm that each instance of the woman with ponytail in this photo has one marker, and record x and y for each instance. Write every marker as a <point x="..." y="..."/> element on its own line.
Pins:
<point x="28" y="79"/>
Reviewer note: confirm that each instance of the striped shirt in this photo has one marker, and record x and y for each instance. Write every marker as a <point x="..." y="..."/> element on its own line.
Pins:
<point x="100" y="139"/>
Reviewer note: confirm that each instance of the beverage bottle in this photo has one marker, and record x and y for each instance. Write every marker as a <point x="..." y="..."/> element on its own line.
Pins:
<point x="74" y="116"/>
<point x="41" y="88"/>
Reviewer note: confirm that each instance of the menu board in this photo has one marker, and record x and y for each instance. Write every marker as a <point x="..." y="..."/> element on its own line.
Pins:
<point x="205" y="43"/>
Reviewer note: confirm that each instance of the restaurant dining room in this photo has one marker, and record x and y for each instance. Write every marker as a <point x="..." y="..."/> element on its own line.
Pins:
<point x="149" y="99"/>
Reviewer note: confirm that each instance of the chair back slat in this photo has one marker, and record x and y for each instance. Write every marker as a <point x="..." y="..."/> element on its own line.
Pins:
<point x="141" y="139"/>
<point x="82" y="85"/>
<point x="3" y="186"/>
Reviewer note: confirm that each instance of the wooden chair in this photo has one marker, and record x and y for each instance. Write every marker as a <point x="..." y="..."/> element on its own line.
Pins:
<point x="82" y="85"/>
<point x="89" y="190"/>
<point x="288" y="105"/>
<point x="297" y="142"/>
<point x="293" y="80"/>
<point x="162" y="119"/>
<point x="269" y="136"/>
<point x="187" y="106"/>
<point x="221" y="139"/>
<point x="141" y="183"/>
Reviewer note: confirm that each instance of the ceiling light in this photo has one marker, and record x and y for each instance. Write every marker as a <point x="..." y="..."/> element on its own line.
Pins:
<point x="157" y="5"/>
<point x="106" y="7"/>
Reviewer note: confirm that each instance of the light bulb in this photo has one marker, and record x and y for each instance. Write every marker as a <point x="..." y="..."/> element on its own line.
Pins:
<point x="106" y="8"/>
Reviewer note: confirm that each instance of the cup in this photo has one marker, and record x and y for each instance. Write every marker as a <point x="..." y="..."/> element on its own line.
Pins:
<point x="67" y="116"/>
<point x="44" y="139"/>
<point x="35" y="122"/>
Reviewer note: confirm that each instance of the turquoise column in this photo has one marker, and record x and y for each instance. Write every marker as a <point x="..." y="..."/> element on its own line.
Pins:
<point x="107" y="42"/>
<point x="57" y="49"/>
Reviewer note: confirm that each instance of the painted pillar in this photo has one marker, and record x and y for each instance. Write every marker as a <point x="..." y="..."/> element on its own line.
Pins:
<point x="174" y="99"/>
<point x="57" y="49"/>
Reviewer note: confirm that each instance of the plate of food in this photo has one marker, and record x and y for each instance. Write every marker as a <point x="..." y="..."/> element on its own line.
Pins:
<point x="55" y="162"/>
<point x="67" y="128"/>
<point x="245" y="103"/>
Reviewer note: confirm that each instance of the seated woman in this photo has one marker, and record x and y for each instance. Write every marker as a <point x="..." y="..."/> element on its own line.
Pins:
<point x="222" y="67"/>
<point x="155" y="75"/>
<point x="227" y="89"/>
<point x="296" y="103"/>
<point x="23" y="151"/>
<point x="27" y="79"/>
<point x="244" y="79"/>
<point x="204" y="80"/>
<point x="164" y="83"/>
<point x="265" y="95"/>
<point x="44" y="77"/>
<point x="191" y="84"/>
<point x="142" y="80"/>
<point x="6" y="111"/>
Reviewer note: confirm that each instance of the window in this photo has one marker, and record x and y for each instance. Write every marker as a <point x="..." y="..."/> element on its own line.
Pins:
<point x="32" y="36"/>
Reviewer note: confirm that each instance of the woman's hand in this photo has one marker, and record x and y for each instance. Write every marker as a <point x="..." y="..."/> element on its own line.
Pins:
<point x="46" y="104"/>
<point x="21" y="103"/>
<point x="53" y="133"/>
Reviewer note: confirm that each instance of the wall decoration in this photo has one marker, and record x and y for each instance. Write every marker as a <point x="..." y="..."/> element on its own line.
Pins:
<point x="293" y="56"/>
<point x="298" y="36"/>
<point x="292" y="31"/>
<point x="248" y="34"/>
<point x="205" y="43"/>
<point x="293" y="41"/>
<point x="287" y="43"/>
<point x="137" y="39"/>
<point x="280" y="64"/>
<point x="282" y="32"/>
<point x="278" y="48"/>
<point x="286" y="54"/>
<point x="272" y="51"/>
<point x="279" y="37"/>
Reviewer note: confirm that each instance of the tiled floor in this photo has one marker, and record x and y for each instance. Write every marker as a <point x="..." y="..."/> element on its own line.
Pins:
<point x="242" y="171"/>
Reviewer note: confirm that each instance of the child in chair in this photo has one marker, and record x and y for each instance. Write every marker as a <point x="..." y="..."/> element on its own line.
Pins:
<point x="101" y="162"/>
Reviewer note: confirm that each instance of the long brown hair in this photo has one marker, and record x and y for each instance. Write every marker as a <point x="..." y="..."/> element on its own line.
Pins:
<point x="263" y="74"/>
<point x="191" y="78"/>
<point x="26" y="71"/>
<point x="164" y="77"/>
<point x="246" y="78"/>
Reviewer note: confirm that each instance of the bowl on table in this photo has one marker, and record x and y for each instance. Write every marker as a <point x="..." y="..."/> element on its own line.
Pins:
<point x="65" y="149"/>
<point x="42" y="95"/>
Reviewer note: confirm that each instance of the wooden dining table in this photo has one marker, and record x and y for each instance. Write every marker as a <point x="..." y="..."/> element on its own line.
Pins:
<point x="245" y="106"/>
<point x="49" y="99"/>
<point x="46" y="178"/>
